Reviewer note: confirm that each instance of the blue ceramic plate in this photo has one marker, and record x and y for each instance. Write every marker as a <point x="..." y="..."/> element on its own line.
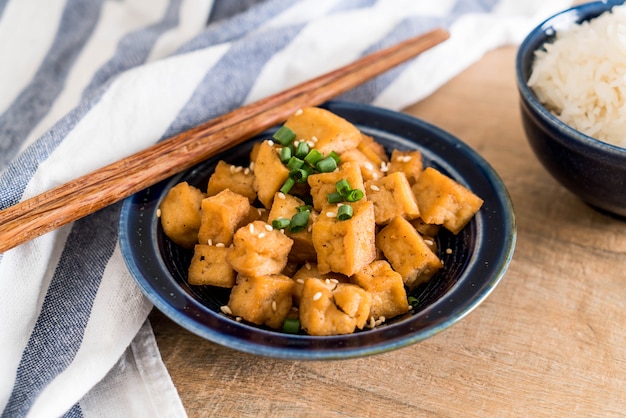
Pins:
<point x="480" y="253"/>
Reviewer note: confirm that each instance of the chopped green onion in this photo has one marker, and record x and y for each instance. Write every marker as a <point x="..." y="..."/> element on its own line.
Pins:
<point x="286" y="187"/>
<point x="334" y="197"/>
<point x="280" y="223"/>
<point x="284" y="135"/>
<point x="326" y="165"/>
<point x="413" y="301"/>
<point x="344" y="212"/>
<point x="304" y="208"/>
<point x="313" y="157"/>
<point x="299" y="175"/>
<point x="302" y="150"/>
<point x="299" y="221"/>
<point x="285" y="154"/>
<point x="354" y="195"/>
<point x="343" y="187"/>
<point x="294" y="163"/>
<point x="335" y="157"/>
<point x="291" y="325"/>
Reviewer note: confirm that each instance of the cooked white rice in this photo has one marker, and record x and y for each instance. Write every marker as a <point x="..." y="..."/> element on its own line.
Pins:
<point x="581" y="77"/>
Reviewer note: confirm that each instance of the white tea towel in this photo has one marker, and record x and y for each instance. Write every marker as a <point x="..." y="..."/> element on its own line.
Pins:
<point x="84" y="83"/>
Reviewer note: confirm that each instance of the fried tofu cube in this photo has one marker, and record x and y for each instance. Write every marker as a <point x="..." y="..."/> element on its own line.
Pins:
<point x="209" y="267"/>
<point x="389" y="296"/>
<point x="370" y="170"/>
<point x="323" y="184"/>
<point x="262" y="299"/>
<point x="180" y="214"/>
<point x="407" y="252"/>
<point x="221" y="215"/>
<point x="328" y="131"/>
<point x="235" y="178"/>
<point x="392" y="196"/>
<point x="325" y="311"/>
<point x="373" y="150"/>
<point x="310" y="271"/>
<point x="443" y="201"/>
<point x="259" y="250"/>
<point x="269" y="173"/>
<point x="286" y="206"/>
<point x="408" y="162"/>
<point x="345" y="246"/>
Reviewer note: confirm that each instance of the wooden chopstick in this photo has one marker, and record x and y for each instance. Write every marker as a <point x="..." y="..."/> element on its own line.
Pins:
<point x="87" y="194"/>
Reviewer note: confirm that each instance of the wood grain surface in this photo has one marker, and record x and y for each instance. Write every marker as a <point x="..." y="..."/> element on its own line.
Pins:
<point x="549" y="341"/>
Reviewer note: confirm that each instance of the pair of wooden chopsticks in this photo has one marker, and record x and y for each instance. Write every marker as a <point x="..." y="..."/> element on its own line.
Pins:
<point x="112" y="183"/>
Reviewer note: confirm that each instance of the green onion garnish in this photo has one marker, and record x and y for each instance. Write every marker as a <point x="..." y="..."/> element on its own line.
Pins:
<point x="343" y="187"/>
<point x="344" y="212"/>
<point x="302" y="150"/>
<point x="354" y="195"/>
<point x="313" y="157"/>
<point x="285" y="154"/>
<point x="284" y="135"/>
<point x="286" y="187"/>
<point x="299" y="221"/>
<point x="335" y="157"/>
<point x="280" y="223"/>
<point x="326" y="165"/>
<point x="304" y="208"/>
<point x="291" y="325"/>
<point x="413" y="301"/>
<point x="334" y="197"/>
<point x="294" y="163"/>
<point x="299" y="175"/>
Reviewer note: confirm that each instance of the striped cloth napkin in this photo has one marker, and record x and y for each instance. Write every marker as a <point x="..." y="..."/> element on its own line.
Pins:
<point x="84" y="83"/>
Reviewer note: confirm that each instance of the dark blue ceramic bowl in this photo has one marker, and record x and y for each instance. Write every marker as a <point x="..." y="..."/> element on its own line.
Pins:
<point x="593" y="170"/>
<point x="481" y="252"/>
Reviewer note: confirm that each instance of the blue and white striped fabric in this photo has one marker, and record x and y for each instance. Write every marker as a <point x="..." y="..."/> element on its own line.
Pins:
<point x="84" y="83"/>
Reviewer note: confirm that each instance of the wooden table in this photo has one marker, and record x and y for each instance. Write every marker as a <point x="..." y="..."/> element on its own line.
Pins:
<point x="549" y="341"/>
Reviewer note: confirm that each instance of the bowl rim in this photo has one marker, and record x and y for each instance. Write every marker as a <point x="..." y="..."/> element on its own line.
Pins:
<point x="486" y="267"/>
<point x="523" y="61"/>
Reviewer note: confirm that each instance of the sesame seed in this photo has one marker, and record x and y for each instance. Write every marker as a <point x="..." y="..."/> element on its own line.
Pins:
<point x="335" y="281"/>
<point x="268" y="227"/>
<point x="331" y="214"/>
<point x="246" y="171"/>
<point x="384" y="167"/>
<point x="307" y="265"/>
<point x="327" y="281"/>
<point x="317" y="296"/>
<point x="375" y="188"/>
<point x="294" y="308"/>
<point x="251" y="165"/>
<point x="429" y="241"/>
<point x="261" y="235"/>
<point x="298" y="112"/>
<point x="210" y="241"/>
<point x="309" y="228"/>
<point x="314" y="139"/>
<point x="251" y="228"/>
<point x="281" y="195"/>
<point x="238" y="169"/>
<point x="220" y="245"/>
<point x="369" y="166"/>
<point x="299" y="281"/>
<point x="270" y="142"/>
<point x="448" y="250"/>
<point x="238" y="319"/>
<point x="260" y="211"/>
<point x="226" y="309"/>
<point x="232" y="169"/>
<point x="158" y="213"/>
<point x="274" y="307"/>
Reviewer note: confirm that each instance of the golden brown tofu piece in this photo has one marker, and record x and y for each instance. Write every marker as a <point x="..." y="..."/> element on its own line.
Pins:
<point x="443" y="201"/>
<point x="322" y="184"/>
<point x="269" y="173"/>
<point x="333" y="312"/>
<point x="407" y="162"/>
<point x="327" y="131"/>
<point x="407" y="252"/>
<point x="373" y="150"/>
<point x="392" y="196"/>
<point x="209" y="267"/>
<point x="263" y="299"/>
<point x="221" y="215"/>
<point x="180" y="214"/>
<point x="389" y="296"/>
<point x="235" y="178"/>
<point x="310" y="271"/>
<point x="259" y="250"/>
<point x="370" y="170"/>
<point x="345" y="246"/>
<point x="286" y="206"/>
